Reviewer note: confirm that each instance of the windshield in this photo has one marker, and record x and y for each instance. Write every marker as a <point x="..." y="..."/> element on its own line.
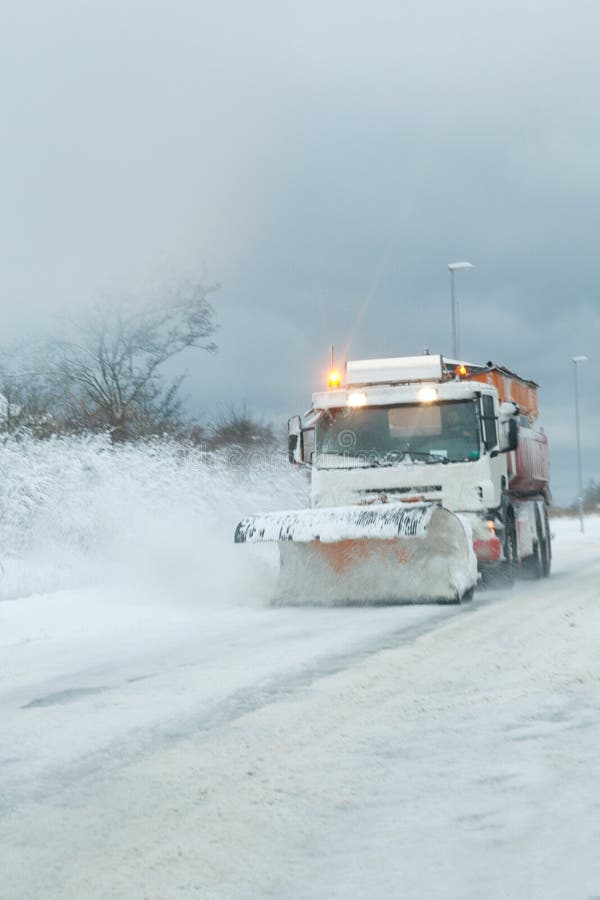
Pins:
<point x="383" y="435"/>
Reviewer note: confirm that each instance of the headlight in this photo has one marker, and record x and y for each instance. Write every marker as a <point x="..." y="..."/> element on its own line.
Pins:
<point x="427" y="394"/>
<point x="356" y="398"/>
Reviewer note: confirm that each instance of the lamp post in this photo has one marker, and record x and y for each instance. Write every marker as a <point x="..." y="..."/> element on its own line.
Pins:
<point x="575" y="360"/>
<point x="455" y="267"/>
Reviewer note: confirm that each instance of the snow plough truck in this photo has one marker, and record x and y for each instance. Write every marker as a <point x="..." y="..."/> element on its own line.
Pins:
<point x="427" y="475"/>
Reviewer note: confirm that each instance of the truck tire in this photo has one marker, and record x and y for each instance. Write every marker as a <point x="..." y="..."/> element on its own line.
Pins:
<point x="546" y="547"/>
<point x="508" y="568"/>
<point x="533" y="566"/>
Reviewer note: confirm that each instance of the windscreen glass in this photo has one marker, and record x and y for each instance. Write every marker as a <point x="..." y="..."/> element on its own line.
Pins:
<point x="380" y="435"/>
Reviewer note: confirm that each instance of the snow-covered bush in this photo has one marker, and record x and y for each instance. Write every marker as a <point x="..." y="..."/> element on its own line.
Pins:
<point x="74" y="509"/>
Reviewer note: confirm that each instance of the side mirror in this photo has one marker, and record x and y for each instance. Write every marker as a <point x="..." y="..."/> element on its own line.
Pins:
<point x="513" y="435"/>
<point x="295" y="441"/>
<point x="509" y="427"/>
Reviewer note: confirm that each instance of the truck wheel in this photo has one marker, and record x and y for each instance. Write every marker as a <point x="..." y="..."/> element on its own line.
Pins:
<point x="508" y="569"/>
<point x="546" y="547"/>
<point x="533" y="566"/>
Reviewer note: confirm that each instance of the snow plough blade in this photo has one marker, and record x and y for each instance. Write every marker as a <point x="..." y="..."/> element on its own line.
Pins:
<point x="401" y="552"/>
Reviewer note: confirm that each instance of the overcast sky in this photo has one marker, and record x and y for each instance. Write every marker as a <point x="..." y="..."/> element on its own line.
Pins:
<point x="324" y="161"/>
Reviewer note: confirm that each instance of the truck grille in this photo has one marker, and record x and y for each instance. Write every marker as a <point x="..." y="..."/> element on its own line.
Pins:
<point x="382" y="494"/>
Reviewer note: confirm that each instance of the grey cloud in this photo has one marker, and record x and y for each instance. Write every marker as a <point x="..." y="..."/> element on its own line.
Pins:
<point x="325" y="161"/>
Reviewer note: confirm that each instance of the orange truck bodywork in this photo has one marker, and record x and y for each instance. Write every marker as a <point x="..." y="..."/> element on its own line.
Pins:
<point x="511" y="387"/>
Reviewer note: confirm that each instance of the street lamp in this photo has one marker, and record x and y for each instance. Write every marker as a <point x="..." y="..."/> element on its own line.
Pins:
<point x="455" y="267"/>
<point x="575" y="360"/>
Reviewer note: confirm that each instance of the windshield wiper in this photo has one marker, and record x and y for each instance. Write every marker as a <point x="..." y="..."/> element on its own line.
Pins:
<point x="368" y="459"/>
<point x="359" y="460"/>
<point x="425" y="454"/>
<point x="378" y="464"/>
<point x="390" y="459"/>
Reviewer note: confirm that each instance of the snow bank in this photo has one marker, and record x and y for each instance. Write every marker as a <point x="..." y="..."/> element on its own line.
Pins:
<point x="78" y="511"/>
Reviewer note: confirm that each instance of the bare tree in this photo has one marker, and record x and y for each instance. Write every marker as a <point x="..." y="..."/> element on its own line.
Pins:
<point x="237" y="427"/>
<point x="26" y="396"/>
<point x="111" y="376"/>
<point x="591" y="497"/>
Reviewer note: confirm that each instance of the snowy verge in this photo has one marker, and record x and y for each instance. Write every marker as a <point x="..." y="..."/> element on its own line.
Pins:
<point x="78" y="511"/>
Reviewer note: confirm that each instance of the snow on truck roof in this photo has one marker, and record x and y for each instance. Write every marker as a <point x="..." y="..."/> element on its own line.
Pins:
<point x="427" y="367"/>
<point x="396" y="370"/>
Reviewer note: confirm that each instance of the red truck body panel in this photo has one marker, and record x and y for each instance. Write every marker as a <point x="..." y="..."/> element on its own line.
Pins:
<point x="528" y="465"/>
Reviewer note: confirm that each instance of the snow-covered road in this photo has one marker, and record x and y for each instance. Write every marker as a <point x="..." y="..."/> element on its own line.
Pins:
<point x="153" y="747"/>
